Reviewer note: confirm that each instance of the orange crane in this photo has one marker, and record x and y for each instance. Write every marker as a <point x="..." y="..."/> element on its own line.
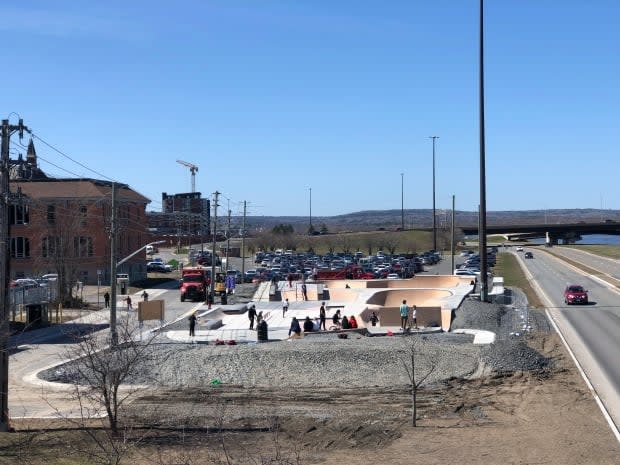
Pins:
<point x="193" y="169"/>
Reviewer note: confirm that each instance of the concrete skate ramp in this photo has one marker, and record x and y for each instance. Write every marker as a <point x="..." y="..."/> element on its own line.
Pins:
<point x="342" y="295"/>
<point x="419" y="281"/>
<point x="419" y="297"/>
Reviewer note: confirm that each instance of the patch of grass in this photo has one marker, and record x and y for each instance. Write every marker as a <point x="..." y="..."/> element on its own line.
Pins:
<point x="611" y="251"/>
<point x="508" y="267"/>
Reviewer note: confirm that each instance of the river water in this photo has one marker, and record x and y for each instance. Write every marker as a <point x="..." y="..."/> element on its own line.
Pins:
<point x="596" y="239"/>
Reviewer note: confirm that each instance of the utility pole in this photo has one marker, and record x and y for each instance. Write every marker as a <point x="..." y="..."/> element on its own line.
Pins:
<point x="227" y="240"/>
<point x="113" y="264"/>
<point x="434" y="215"/>
<point x="243" y="241"/>
<point x="402" y="201"/>
<point x="216" y="194"/>
<point x="452" y="247"/>
<point x="5" y="267"/>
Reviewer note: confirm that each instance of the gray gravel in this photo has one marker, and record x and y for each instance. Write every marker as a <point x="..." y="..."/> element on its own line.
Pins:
<point x="326" y="360"/>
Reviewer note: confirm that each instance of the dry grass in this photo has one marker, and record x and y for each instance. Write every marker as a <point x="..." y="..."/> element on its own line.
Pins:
<point x="508" y="267"/>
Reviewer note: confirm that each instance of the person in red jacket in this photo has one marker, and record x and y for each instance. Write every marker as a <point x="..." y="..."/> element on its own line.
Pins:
<point x="352" y="322"/>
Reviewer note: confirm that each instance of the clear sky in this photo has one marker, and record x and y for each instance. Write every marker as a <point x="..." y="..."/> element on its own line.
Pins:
<point x="272" y="98"/>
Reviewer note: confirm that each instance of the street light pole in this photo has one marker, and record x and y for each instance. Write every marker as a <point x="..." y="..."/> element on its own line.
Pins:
<point x="482" y="231"/>
<point x="434" y="215"/>
<point x="402" y="201"/>
<point x="310" y="227"/>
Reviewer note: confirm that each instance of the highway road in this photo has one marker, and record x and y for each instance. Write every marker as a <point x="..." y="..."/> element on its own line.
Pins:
<point x="592" y="331"/>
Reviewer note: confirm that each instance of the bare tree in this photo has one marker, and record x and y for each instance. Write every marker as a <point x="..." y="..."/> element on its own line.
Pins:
<point x="419" y="365"/>
<point x="100" y="373"/>
<point x="63" y="242"/>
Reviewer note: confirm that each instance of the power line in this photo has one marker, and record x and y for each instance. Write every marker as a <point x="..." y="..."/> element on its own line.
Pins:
<point x="72" y="159"/>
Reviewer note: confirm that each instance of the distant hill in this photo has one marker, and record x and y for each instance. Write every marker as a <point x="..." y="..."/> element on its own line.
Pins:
<point x="423" y="219"/>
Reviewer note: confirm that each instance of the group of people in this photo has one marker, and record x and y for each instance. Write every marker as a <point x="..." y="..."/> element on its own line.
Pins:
<point x="252" y="315"/>
<point x="404" y="316"/>
<point x="344" y="322"/>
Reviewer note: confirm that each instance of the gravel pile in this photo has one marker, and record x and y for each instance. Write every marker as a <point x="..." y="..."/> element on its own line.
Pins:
<point x="325" y="360"/>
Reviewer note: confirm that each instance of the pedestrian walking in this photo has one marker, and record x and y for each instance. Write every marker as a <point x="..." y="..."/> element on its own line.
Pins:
<point x="322" y="317"/>
<point x="145" y="296"/>
<point x="304" y="291"/>
<point x="192" y="324"/>
<point x="290" y="280"/>
<point x="129" y="306"/>
<point x="284" y="308"/>
<point x="106" y="299"/>
<point x="252" y="315"/>
<point x="404" y="315"/>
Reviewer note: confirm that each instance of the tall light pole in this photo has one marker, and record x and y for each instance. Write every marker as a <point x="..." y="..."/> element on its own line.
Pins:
<point x="402" y="201"/>
<point x="434" y="215"/>
<point x="310" y="218"/>
<point x="482" y="231"/>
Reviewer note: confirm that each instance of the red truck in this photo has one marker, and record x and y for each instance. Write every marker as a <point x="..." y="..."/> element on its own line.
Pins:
<point x="195" y="282"/>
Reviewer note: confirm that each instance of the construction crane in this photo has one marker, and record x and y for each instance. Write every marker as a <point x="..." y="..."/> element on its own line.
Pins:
<point x="193" y="169"/>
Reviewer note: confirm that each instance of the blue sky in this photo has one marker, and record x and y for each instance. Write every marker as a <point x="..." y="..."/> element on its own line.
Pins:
<point x="273" y="98"/>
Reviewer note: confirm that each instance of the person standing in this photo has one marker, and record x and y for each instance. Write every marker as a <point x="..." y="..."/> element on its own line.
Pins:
<point x="404" y="315"/>
<point x="374" y="319"/>
<point x="284" y="307"/>
<point x="192" y="324"/>
<point x="259" y="318"/>
<point x="322" y="317"/>
<point x="304" y="291"/>
<point x="145" y="296"/>
<point x="106" y="299"/>
<point x="414" y="316"/>
<point x="252" y="315"/>
<point x="129" y="306"/>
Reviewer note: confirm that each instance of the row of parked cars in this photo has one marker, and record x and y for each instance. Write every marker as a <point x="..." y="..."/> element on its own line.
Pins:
<point x="30" y="283"/>
<point x="471" y="266"/>
<point x="280" y="264"/>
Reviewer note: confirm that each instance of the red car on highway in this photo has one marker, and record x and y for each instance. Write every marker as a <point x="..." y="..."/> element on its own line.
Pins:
<point x="575" y="294"/>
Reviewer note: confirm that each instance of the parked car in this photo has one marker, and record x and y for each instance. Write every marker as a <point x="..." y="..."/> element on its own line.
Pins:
<point x="393" y="276"/>
<point x="575" y="294"/>
<point x="250" y="275"/>
<point x="158" y="267"/>
<point x="25" y="283"/>
<point x="519" y="248"/>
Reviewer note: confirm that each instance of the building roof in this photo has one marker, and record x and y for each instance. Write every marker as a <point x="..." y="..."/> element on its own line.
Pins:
<point x="71" y="188"/>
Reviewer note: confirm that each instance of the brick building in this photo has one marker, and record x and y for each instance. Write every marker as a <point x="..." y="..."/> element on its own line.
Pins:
<point x="63" y="226"/>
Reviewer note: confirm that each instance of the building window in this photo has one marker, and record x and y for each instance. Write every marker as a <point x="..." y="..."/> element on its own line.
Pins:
<point x="20" y="247"/>
<point x="19" y="214"/>
<point x="82" y="246"/>
<point x="51" y="214"/>
<point x="50" y="245"/>
<point x="83" y="215"/>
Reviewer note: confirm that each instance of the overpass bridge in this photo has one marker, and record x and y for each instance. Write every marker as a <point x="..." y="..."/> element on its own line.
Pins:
<point x="567" y="233"/>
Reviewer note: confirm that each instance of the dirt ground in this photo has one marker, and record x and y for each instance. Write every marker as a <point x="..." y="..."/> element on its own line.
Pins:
<point x="520" y="418"/>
